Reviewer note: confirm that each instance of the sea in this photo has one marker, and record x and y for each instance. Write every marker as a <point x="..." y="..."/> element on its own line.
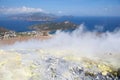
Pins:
<point x="90" y="23"/>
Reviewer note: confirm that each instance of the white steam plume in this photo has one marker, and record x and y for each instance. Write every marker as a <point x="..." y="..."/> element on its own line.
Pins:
<point x="55" y="58"/>
<point x="80" y="39"/>
<point x="78" y="43"/>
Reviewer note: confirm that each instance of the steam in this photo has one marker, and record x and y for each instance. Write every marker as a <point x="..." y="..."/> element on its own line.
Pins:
<point x="80" y="39"/>
<point x="44" y="59"/>
<point x="79" y="43"/>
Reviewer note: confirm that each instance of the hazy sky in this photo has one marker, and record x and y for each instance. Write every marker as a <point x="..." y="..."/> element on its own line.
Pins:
<point x="63" y="7"/>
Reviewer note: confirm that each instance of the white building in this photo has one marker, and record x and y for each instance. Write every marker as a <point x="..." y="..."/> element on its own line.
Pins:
<point x="9" y="34"/>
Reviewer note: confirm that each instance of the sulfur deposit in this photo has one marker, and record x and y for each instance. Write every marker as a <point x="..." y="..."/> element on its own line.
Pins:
<point x="41" y="65"/>
<point x="11" y="67"/>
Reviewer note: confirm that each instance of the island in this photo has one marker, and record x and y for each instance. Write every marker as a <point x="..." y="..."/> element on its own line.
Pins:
<point x="53" y="26"/>
<point x="38" y="31"/>
<point x="33" y="17"/>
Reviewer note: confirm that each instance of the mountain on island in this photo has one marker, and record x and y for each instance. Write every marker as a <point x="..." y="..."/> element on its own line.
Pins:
<point x="53" y="26"/>
<point x="38" y="16"/>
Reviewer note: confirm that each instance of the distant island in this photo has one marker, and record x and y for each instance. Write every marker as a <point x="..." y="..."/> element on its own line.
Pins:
<point x="34" y="17"/>
<point x="37" y="16"/>
<point x="53" y="26"/>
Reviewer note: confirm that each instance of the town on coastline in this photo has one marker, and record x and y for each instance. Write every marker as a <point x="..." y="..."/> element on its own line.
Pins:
<point x="37" y="30"/>
<point x="13" y="34"/>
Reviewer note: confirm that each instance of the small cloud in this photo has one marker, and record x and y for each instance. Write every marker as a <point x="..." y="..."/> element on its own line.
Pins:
<point x="18" y="10"/>
<point x="106" y="9"/>
<point x="59" y="12"/>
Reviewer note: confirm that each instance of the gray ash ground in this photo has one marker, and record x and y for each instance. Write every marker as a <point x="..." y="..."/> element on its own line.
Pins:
<point x="60" y="69"/>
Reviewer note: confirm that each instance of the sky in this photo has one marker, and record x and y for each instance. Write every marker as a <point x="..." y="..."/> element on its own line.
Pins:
<point x="62" y="7"/>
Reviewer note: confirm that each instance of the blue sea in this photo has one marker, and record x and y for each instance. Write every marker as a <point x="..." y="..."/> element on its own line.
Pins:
<point x="108" y="23"/>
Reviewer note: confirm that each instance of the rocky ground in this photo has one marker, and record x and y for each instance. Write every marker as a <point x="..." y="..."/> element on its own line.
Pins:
<point x="41" y="65"/>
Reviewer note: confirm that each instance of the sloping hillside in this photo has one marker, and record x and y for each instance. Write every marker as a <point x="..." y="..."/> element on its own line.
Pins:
<point x="3" y="29"/>
<point x="52" y="26"/>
